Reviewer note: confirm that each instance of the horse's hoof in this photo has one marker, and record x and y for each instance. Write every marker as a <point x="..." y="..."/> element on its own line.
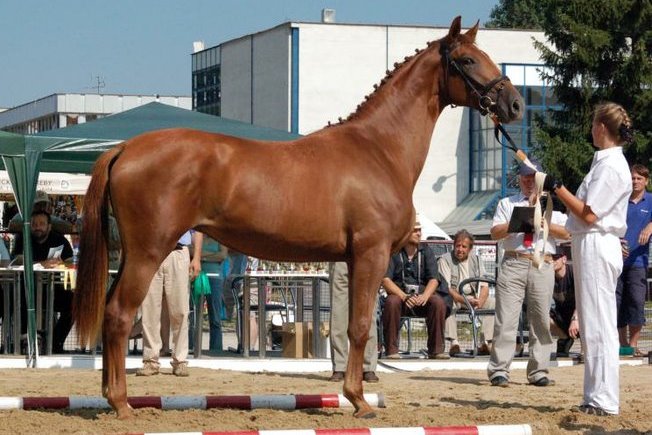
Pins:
<point x="362" y="413"/>
<point x="124" y="413"/>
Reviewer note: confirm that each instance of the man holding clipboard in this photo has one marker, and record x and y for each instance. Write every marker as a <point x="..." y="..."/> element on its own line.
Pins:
<point x="519" y="280"/>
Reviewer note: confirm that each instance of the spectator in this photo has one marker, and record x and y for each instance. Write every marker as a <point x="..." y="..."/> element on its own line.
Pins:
<point x="237" y="265"/>
<point x="42" y="203"/>
<point x="170" y="284"/>
<point x="339" y="323"/>
<point x="518" y="281"/>
<point x="415" y="288"/>
<point x="563" y="316"/>
<point x="5" y="258"/>
<point x="632" y="284"/>
<point x="213" y="255"/>
<point x="598" y="218"/>
<point x="43" y="239"/>
<point x="455" y="267"/>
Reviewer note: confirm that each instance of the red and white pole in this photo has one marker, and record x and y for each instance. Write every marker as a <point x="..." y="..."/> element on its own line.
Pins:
<point x="272" y="401"/>
<point x="516" y="429"/>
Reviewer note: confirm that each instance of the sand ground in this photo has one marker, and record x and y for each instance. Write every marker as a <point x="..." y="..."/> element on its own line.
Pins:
<point x="425" y="398"/>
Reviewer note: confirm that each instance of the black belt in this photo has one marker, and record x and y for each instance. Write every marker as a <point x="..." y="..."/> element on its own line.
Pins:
<point x="179" y="247"/>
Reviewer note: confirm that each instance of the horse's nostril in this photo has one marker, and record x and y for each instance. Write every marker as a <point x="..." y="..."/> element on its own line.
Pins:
<point x="516" y="106"/>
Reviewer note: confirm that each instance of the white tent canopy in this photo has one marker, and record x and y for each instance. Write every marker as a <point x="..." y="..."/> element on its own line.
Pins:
<point x="429" y="228"/>
<point x="54" y="183"/>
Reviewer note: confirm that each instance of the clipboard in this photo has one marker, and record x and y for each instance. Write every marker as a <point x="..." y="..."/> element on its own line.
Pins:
<point x="522" y="220"/>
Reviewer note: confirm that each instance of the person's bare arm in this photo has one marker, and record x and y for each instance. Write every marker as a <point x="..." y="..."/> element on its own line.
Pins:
<point x="576" y="206"/>
<point x="195" y="263"/>
<point x="559" y="232"/>
<point x="392" y="289"/>
<point x="499" y="231"/>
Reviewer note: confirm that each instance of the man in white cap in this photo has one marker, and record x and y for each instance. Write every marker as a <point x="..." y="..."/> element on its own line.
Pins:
<point x="520" y="281"/>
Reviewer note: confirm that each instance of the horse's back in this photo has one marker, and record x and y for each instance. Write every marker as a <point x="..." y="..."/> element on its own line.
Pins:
<point x="294" y="199"/>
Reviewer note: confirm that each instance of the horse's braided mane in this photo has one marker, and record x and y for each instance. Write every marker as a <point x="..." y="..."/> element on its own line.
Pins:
<point x="377" y="87"/>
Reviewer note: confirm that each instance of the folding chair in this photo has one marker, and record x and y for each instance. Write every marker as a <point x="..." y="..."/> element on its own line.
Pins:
<point x="284" y="307"/>
<point x="473" y="313"/>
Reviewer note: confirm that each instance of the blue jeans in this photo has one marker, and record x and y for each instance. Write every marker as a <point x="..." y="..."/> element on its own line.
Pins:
<point x="214" y="303"/>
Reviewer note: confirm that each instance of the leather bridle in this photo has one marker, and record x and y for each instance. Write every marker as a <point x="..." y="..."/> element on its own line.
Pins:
<point x="485" y="102"/>
<point x="481" y="91"/>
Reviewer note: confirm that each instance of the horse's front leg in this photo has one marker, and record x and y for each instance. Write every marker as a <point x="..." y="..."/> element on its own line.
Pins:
<point x="365" y="273"/>
<point x="115" y="332"/>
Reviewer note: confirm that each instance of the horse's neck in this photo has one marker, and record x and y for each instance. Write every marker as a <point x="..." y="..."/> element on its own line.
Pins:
<point x="399" y="118"/>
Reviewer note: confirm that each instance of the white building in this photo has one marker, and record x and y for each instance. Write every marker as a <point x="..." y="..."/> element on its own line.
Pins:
<point x="61" y="110"/>
<point x="298" y="76"/>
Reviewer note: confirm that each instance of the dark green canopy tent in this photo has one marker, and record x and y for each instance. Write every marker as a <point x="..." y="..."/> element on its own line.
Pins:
<point x="74" y="149"/>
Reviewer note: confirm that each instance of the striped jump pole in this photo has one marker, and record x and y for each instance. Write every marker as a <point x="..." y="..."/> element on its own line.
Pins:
<point x="272" y="401"/>
<point x="515" y="429"/>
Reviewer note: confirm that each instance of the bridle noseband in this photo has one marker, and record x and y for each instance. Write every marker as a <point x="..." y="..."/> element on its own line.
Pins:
<point x="485" y="103"/>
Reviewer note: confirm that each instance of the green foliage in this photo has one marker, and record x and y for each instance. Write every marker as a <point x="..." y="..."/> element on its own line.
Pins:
<point x="517" y="14"/>
<point x="601" y="53"/>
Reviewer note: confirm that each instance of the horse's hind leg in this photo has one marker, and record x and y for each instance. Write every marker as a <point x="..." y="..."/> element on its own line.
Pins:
<point x="127" y="295"/>
<point x="364" y="280"/>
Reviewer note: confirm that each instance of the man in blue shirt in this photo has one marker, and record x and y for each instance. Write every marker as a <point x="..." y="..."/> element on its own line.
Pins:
<point x="632" y="284"/>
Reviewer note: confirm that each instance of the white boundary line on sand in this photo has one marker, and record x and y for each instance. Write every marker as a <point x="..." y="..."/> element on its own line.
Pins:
<point x="276" y="365"/>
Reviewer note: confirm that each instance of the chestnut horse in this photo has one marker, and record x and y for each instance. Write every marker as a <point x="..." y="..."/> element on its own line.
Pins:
<point x="343" y="193"/>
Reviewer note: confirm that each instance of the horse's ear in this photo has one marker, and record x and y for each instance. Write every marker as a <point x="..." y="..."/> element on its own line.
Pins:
<point x="473" y="31"/>
<point x="456" y="25"/>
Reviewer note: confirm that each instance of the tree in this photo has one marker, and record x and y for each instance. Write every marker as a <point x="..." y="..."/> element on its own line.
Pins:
<point x="601" y="53"/>
<point x="517" y="14"/>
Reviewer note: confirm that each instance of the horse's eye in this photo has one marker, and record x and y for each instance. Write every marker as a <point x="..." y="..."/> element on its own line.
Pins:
<point x="466" y="61"/>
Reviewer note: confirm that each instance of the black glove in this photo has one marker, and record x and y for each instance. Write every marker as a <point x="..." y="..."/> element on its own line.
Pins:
<point x="550" y="184"/>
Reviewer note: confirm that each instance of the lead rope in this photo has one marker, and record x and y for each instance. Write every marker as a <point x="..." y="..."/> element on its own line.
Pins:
<point x="541" y="225"/>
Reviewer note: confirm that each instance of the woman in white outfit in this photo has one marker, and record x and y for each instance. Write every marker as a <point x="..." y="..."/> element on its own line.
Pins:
<point x="598" y="215"/>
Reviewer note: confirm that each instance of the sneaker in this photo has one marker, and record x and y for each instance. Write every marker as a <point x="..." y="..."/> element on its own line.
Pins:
<point x="591" y="410"/>
<point x="393" y="356"/>
<point x="370" y="377"/>
<point x="454" y="350"/>
<point x="180" y="369"/>
<point x="336" y="377"/>
<point x="442" y="355"/>
<point x="148" y="369"/>
<point x="499" y="381"/>
<point x="544" y="382"/>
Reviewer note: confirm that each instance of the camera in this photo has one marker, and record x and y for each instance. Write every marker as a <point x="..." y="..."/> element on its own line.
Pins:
<point x="412" y="289"/>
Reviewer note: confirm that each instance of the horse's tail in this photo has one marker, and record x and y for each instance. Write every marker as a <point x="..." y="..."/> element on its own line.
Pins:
<point x="92" y="273"/>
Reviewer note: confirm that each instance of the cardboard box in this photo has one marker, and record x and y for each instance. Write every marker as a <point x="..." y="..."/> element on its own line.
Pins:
<point x="298" y="337"/>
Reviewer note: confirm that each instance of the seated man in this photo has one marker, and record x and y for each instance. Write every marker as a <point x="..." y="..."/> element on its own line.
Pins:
<point x="42" y="203"/>
<point x="415" y="288"/>
<point x="455" y="267"/>
<point x="563" y="315"/>
<point x="44" y="238"/>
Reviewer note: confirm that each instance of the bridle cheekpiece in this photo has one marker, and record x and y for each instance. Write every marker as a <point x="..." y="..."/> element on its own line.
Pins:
<point x="485" y="103"/>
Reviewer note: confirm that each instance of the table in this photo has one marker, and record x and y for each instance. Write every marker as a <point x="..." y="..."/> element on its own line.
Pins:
<point x="261" y="277"/>
<point x="44" y="279"/>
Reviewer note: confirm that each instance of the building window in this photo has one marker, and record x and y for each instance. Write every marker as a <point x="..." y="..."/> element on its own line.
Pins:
<point x="206" y="85"/>
<point x="493" y="167"/>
